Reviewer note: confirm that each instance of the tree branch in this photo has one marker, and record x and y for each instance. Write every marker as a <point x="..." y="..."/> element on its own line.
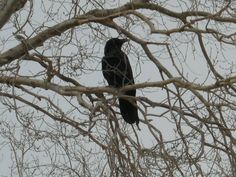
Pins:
<point x="7" y="8"/>
<point x="74" y="90"/>
<point x="98" y="16"/>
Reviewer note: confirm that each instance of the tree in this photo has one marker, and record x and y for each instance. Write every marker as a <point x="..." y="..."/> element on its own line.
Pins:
<point x="58" y="118"/>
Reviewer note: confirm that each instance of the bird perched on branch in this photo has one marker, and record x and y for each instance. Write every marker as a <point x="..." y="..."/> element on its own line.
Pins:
<point x="117" y="71"/>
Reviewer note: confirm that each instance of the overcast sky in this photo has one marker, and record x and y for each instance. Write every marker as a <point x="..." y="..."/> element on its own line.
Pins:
<point x="186" y="53"/>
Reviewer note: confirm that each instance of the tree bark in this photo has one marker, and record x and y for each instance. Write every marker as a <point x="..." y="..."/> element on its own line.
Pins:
<point x="7" y="8"/>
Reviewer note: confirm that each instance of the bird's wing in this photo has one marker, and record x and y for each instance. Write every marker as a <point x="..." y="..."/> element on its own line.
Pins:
<point x="128" y="70"/>
<point x="117" y="70"/>
<point x="111" y="72"/>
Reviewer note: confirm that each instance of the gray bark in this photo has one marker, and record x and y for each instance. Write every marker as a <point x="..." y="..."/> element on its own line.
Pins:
<point x="7" y="8"/>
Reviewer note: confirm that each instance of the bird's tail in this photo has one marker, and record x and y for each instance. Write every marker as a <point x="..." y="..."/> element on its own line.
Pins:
<point x="128" y="111"/>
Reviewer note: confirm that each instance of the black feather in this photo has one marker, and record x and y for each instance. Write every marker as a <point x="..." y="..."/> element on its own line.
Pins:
<point x="117" y="71"/>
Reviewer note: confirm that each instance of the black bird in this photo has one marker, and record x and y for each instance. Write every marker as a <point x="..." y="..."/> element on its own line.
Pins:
<point x="117" y="71"/>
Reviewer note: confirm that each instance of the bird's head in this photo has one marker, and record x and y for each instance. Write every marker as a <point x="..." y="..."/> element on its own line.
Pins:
<point x="114" y="44"/>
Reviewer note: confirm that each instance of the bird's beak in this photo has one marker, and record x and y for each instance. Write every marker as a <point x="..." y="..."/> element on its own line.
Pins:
<point x="125" y="40"/>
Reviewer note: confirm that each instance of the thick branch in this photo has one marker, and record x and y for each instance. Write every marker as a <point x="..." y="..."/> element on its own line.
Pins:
<point x="7" y="8"/>
<point x="74" y="90"/>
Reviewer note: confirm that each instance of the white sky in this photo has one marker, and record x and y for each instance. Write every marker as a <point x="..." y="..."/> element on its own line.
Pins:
<point x="187" y="56"/>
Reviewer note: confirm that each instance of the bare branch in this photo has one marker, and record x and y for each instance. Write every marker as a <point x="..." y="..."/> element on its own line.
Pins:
<point x="9" y="7"/>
